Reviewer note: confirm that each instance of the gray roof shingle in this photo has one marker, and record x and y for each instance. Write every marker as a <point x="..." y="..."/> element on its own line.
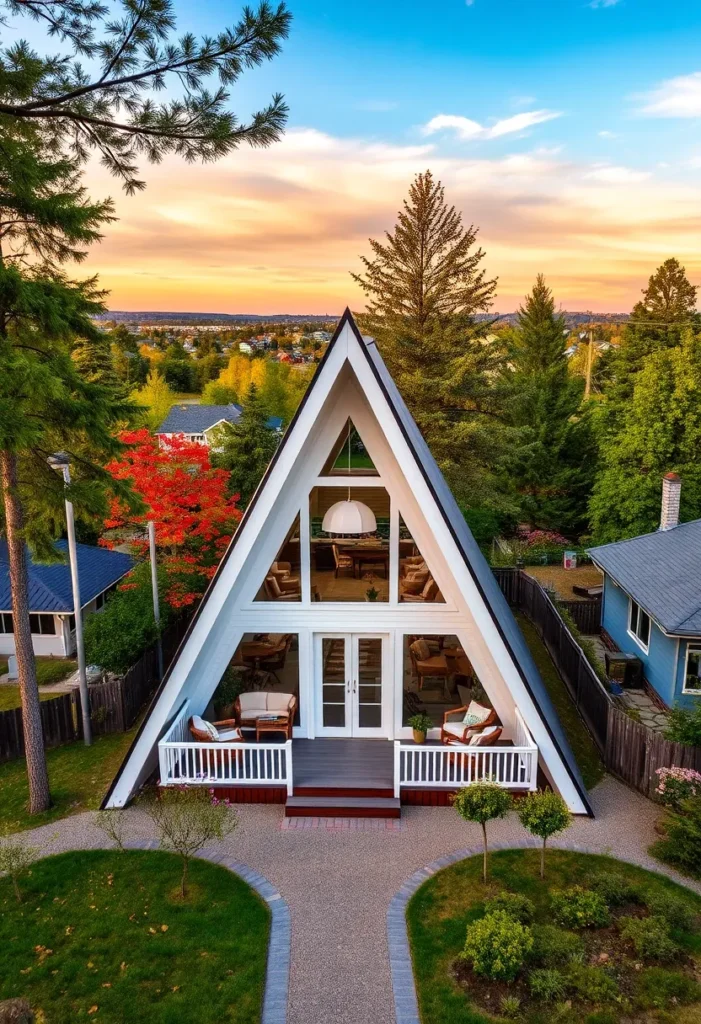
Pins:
<point x="662" y="572"/>
<point x="193" y="419"/>
<point x="50" y="585"/>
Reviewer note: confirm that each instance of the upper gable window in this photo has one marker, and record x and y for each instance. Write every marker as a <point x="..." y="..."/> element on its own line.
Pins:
<point x="283" y="580"/>
<point x="349" y="456"/>
<point x="347" y="567"/>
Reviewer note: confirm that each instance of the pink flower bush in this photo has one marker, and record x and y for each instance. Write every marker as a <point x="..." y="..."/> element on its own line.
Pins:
<point x="545" y="538"/>
<point x="677" y="784"/>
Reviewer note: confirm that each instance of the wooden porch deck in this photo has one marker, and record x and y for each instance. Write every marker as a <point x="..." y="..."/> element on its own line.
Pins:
<point x="342" y="764"/>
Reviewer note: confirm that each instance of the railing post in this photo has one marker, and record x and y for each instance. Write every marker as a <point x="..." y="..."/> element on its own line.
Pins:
<point x="397" y="763"/>
<point x="288" y="767"/>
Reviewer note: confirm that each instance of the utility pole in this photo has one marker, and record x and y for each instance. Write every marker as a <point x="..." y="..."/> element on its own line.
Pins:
<point x="590" y="362"/>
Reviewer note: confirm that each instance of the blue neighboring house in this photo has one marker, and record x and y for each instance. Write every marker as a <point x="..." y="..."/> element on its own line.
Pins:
<point x="652" y="606"/>
<point x="51" y="595"/>
<point x="196" y="422"/>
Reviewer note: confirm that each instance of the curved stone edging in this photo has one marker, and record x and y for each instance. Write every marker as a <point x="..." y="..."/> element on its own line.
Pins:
<point x="277" y="973"/>
<point x="406" y="1006"/>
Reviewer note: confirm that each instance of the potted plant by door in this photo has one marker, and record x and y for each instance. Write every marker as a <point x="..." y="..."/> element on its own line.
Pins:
<point x="420" y="724"/>
<point x="371" y="594"/>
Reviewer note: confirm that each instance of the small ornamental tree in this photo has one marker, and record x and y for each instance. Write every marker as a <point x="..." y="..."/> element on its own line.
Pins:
<point x="544" y="815"/>
<point x="187" y="500"/>
<point x="15" y="858"/>
<point x="187" y="819"/>
<point x="482" y="802"/>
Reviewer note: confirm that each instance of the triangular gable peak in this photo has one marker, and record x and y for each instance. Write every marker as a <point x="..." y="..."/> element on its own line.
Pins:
<point x="352" y="383"/>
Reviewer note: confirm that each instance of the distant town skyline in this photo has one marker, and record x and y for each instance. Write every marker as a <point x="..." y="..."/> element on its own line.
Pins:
<point x="568" y="131"/>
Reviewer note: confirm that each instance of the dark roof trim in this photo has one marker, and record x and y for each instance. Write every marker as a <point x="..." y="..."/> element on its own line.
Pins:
<point x="347" y="317"/>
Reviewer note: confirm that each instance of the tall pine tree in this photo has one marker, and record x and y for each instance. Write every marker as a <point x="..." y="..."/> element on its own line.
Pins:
<point x="245" y="448"/>
<point x="424" y="284"/>
<point x="554" y="472"/>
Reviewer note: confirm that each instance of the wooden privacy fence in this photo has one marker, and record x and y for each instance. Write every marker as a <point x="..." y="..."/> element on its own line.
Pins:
<point x="634" y="753"/>
<point x="586" y="614"/>
<point x="114" y="705"/>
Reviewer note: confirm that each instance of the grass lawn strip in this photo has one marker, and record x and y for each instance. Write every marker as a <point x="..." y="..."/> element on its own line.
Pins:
<point x="78" y="775"/>
<point x="440" y="910"/>
<point x="104" y="935"/>
<point x="583" y="747"/>
<point x="10" y="698"/>
<point x="54" y="670"/>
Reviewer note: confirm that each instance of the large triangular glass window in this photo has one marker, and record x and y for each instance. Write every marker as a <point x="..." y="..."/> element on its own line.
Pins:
<point x="417" y="584"/>
<point x="283" y="580"/>
<point x="349" y="456"/>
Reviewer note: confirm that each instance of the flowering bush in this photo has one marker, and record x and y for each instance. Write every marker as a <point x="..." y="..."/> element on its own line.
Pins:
<point x="545" y="539"/>
<point x="677" y="784"/>
<point x="497" y="946"/>
<point x="579" y="908"/>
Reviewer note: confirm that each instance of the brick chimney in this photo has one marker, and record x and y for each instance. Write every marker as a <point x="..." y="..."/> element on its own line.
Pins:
<point x="671" y="490"/>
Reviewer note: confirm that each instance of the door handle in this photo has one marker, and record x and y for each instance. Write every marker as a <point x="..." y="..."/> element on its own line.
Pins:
<point x="349" y="686"/>
<point x="355" y="684"/>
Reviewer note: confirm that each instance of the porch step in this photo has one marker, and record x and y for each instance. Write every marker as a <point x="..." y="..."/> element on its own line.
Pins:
<point x="331" y="792"/>
<point x="342" y="807"/>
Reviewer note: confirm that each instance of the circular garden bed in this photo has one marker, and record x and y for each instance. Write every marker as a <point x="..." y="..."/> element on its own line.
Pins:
<point x="105" y="936"/>
<point x="598" y="941"/>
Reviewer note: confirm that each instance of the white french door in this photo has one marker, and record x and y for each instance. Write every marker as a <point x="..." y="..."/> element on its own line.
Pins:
<point x="351" y="684"/>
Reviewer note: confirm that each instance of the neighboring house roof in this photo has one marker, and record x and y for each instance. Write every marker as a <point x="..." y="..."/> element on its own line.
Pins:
<point x="195" y="419"/>
<point x="475" y="562"/>
<point x="50" y="585"/>
<point x="662" y="572"/>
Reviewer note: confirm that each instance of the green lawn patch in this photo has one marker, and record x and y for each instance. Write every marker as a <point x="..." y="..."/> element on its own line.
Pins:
<point x="10" y="698"/>
<point x="448" y="991"/>
<point x="581" y="742"/>
<point x="54" y="670"/>
<point x="105" y="936"/>
<point x="3" y="666"/>
<point x="79" y="777"/>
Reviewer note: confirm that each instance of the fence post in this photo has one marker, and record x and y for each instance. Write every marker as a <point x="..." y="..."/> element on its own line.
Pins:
<point x="397" y="760"/>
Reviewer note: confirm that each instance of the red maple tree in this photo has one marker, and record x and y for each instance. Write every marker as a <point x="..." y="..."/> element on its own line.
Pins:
<point x="187" y="500"/>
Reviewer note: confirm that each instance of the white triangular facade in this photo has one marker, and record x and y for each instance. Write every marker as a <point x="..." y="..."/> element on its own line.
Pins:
<point x="344" y="387"/>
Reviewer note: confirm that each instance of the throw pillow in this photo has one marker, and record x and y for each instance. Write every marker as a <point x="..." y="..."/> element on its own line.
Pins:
<point x="421" y="650"/>
<point x="470" y="719"/>
<point x="479" y="710"/>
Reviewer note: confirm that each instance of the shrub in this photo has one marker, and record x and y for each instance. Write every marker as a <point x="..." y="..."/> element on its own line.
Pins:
<point x="230" y="686"/>
<point x="579" y="908"/>
<point x="547" y="983"/>
<point x="677" y="784"/>
<point x="658" y="988"/>
<point x="552" y="945"/>
<point x="684" y="725"/>
<point x="16" y="857"/>
<point x="497" y="946"/>
<point x="510" y="1006"/>
<point x="675" y="910"/>
<point x="683" y="843"/>
<point x="614" y="889"/>
<point x="519" y="907"/>
<point x="649" y="936"/>
<point x="592" y="984"/>
<point x="544" y="815"/>
<point x="482" y="802"/>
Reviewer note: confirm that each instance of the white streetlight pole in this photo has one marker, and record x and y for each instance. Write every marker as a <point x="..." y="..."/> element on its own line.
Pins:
<point x="61" y="462"/>
<point x="154" y="587"/>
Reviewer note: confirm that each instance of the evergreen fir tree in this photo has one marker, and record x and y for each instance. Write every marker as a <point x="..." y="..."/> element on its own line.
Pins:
<point x="554" y="472"/>
<point x="93" y="359"/>
<point x="245" y="448"/>
<point x="424" y="284"/>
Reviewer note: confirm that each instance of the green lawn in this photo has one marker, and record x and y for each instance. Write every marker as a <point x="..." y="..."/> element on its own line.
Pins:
<point x="78" y="775"/>
<point x="54" y="670"/>
<point x="104" y="935"/>
<point x="585" y="750"/>
<point x="9" y="697"/>
<point x="439" y="912"/>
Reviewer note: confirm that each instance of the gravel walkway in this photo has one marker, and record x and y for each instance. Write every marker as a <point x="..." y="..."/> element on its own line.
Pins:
<point x="338" y="883"/>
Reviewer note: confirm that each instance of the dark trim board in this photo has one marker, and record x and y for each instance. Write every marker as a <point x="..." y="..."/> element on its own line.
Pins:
<point x="251" y="794"/>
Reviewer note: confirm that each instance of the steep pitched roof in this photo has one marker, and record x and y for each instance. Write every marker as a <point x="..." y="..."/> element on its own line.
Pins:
<point x="482" y="576"/>
<point x="50" y="585"/>
<point x="193" y="419"/>
<point x="662" y="572"/>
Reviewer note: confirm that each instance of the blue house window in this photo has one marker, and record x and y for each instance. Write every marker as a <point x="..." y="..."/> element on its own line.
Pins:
<point x="692" y="673"/>
<point x="639" y="625"/>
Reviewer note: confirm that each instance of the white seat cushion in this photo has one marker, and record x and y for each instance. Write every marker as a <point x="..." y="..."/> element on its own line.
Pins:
<point x="203" y="726"/>
<point x="481" y="738"/>
<point x="279" y="701"/>
<point x="249" y="702"/>
<point x="251" y="716"/>
<point x="454" y="729"/>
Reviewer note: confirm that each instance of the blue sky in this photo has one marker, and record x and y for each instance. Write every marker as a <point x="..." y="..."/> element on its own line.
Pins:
<point x="569" y="131"/>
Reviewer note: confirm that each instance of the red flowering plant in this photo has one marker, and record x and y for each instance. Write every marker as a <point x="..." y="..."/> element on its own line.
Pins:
<point x="187" y="500"/>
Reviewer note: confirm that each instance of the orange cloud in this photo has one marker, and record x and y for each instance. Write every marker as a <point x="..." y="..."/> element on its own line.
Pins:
<point x="279" y="230"/>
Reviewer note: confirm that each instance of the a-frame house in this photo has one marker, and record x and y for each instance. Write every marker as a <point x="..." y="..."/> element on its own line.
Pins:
<point x="335" y="639"/>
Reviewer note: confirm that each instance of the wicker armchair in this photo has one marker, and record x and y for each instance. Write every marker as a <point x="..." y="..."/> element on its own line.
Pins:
<point x="455" y="730"/>
<point x="341" y="561"/>
<point x="425" y="664"/>
<point x="226" y="731"/>
<point x="429" y="593"/>
<point x="277" y="589"/>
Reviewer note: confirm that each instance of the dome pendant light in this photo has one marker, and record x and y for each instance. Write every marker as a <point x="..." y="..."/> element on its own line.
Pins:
<point x="349" y="516"/>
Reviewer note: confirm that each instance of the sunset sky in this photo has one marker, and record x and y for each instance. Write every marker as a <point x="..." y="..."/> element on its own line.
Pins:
<point x="568" y="131"/>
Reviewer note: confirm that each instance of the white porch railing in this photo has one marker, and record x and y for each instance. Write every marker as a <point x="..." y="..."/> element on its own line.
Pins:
<point x="184" y="762"/>
<point x="451" y="767"/>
